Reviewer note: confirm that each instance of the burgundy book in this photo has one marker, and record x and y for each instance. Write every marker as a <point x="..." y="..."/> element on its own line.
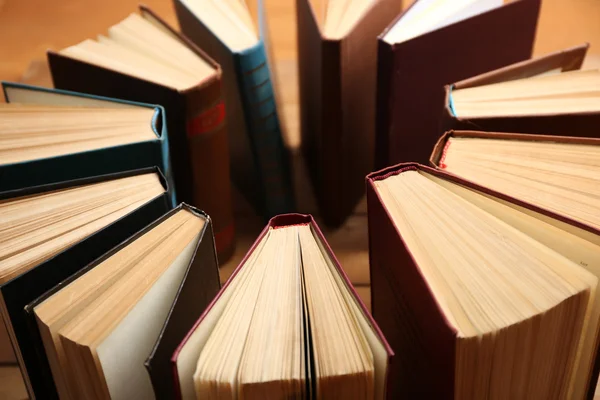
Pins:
<point x="567" y="123"/>
<point x="412" y="311"/>
<point x="338" y="75"/>
<point x="191" y="351"/>
<point x="412" y="73"/>
<point x="195" y="119"/>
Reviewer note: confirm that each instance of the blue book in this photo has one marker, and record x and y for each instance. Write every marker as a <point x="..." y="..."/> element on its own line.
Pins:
<point x="93" y="158"/>
<point x="260" y="164"/>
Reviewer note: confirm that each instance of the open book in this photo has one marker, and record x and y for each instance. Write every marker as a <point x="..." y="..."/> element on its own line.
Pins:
<point x="226" y="30"/>
<point x="548" y="95"/>
<point x="52" y="135"/>
<point x="142" y="59"/>
<point x="39" y="131"/>
<point x="286" y="325"/>
<point x="556" y="173"/>
<point x="128" y="309"/>
<point x="482" y="294"/>
<point x="51" y="232"/>
<point x="432" y="43"/>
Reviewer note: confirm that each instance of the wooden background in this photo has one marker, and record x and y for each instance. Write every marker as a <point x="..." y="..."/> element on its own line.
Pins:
<point x="29" y="27"/>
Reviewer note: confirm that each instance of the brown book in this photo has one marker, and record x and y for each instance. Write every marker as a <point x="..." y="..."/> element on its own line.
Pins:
<point x="565" y="117"/>
<point x="414" y="66"/>
<point x="337" y="57"/>
<point x="287" y="324"/>
<point x="483" y="295"/>
<point x="135" y="62"/>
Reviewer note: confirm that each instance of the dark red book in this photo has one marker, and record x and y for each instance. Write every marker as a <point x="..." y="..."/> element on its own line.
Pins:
<point x="338" y="77"/>
<point x="412" y="73"/>
<point x="441" y="258"/>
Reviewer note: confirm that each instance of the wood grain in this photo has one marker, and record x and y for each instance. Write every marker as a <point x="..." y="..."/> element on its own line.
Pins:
<point x="29" y="27"/>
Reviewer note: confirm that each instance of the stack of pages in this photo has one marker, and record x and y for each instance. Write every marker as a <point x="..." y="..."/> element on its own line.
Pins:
<point x="52" y="232"/>
<point x="51" y="135"/>
<point x="486" y="292"/>
<point x="549" y="95"/>
<point x="287" y="324"/>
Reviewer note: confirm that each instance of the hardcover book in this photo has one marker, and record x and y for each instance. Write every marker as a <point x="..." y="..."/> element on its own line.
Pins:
<point x="337" y="65"/>
<point x="53" y="231"/>
<point x="142" y="59"/>
<point x="53" y="135"/>
<point x="259" y="159"/>
<point x="484" y="294"/>
<point x="548" y="95"/>
<point x="109" y="330"/>
<point x="556" y="173"/>
<point x="434" y="43"/>
<point x="287" y="324"/>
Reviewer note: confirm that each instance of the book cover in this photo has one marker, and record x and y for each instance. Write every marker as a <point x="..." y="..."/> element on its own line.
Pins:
<point x="337" y="105"/>
<point x="199" y="288"/>
<point x="411" y="75"/>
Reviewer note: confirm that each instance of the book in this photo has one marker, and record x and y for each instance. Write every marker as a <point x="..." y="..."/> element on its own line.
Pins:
<point x="52" y="135"/>
<point x="109" y="330"/>
<point x="142" y="59"/>
<point x="52" y="231"/>
<point x="549" y="95"/>
<point x="556" y="173"/>
<point x="485" y="295"/>
<point x="434" y="43"/>
<point x="337" y="66"/>
<point x="287" y="324"/>
<point x="260" y="164"/>
<point x="42" y="143"/>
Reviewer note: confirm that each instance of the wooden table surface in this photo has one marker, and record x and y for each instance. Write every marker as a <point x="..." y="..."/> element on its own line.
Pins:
<point x="29" y="27"/>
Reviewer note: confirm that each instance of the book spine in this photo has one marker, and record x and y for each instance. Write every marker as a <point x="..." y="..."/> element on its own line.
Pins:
<point x="159" y="127"/>
<point x="384" y="100"/>
<point x="407" y="314"/>
<point x="208" y="149"/>
<point x="332" y="156"/>
<point x="264" y="131"/>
